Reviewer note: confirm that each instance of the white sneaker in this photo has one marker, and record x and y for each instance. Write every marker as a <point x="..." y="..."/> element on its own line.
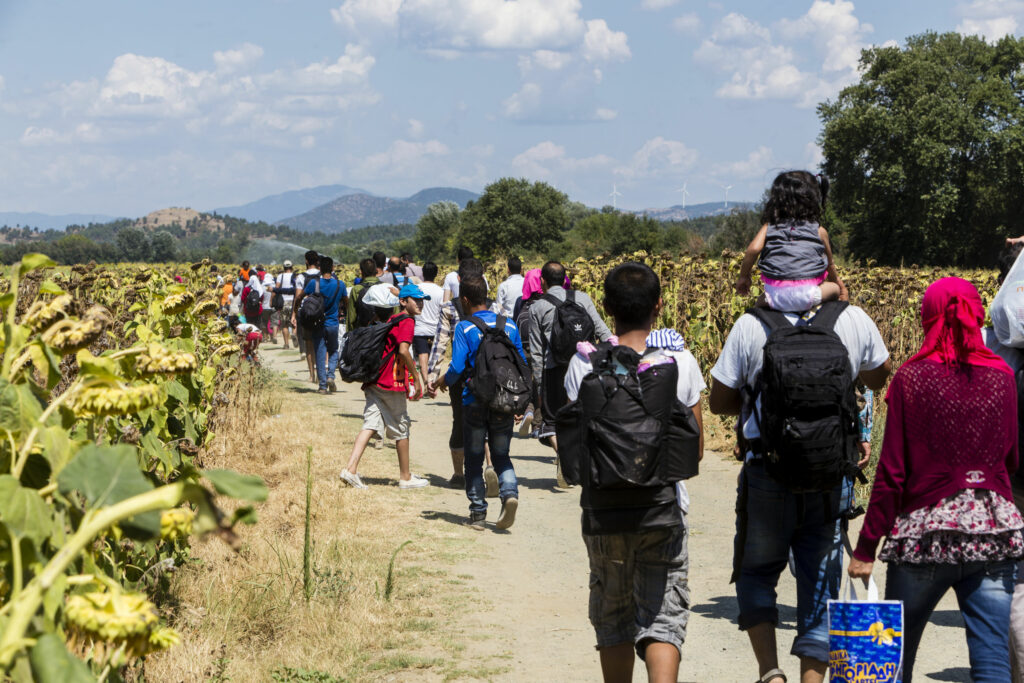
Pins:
<point x="526" y="426"/>
<point x="413" y="482"/>
<point x="352" y="480"/>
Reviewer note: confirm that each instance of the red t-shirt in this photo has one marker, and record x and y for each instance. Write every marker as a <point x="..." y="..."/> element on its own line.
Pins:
<point x="395" y="376"/>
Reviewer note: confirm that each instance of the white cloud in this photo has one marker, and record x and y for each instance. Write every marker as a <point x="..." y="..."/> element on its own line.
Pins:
<point x="814" y="157"/>
<point x="403" y="159"/>
<point x="754" y="166"/>
<point x="40" y="136"/>
<point x="687" y="23"/>
<point x="657" y="4"/>
<point x="230" y="61"/>
<point x="601" y="44"/>
<point x="352" y="67"/>
<point x="307" y="142"/>
<point x="760" y="67"/>
<point x="605" y="114"/>
<point x="550" y="60"/>
<point x="991" y="19"/>
<point x="526" y="100"/>
<point x="137" y="84"/>
<point x="415" y="128"/>
<point x="658" y="157"/>
<point x="474" y="24"/>
<point x="361" y="14"/>
<point x="547" y="160"/>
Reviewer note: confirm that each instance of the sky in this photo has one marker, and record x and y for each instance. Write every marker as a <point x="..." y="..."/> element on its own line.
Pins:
<point x="124" y="107"/>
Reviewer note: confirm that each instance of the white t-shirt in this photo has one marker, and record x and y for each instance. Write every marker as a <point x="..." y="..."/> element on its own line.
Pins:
<point x="740" y="362"/>
<point x="426" y="321"/>
<point x="285" y="281"/>
<point x="688" y="389"/>
<point x="246" y="328"/>
<point x="268" y="290"/>
<point x="1013" y="356"/>
<point x="254" y="283"/>
<point x="509" y="292"/>
<point x="451" y="284"/>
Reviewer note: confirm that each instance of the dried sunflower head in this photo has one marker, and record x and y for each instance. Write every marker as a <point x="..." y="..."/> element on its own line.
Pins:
<point x="111" y="616"/>
<point x="217" y="325"/>
<point x="156" y="360"/>
<point x="42" y="314"/>
<point x="176" y="523"/>
<point x="176" y="303"/>
<point x="108" y="400"/>
<point x="203" y="308"/>
<point x="70" y="336"/>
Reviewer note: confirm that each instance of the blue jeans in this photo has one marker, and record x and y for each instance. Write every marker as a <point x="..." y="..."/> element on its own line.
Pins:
<point x="984" y="591"/>
<point x="326" y="341"/>
<point x="778" y="521"/>
<point x="479" y="425"/>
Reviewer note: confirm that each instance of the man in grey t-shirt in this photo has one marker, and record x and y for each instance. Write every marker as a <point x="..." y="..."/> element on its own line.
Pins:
<point x="769" y="528"/>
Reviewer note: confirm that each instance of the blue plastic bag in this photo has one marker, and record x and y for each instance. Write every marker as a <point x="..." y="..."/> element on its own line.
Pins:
<point x="865" y="638"/>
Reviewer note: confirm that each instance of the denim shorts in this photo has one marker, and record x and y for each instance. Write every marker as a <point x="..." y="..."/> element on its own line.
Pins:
<point x="780" y="521"/>
<point x="639" y="590"/>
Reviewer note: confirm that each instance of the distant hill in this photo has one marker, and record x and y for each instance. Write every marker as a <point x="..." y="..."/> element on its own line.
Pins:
<point x="278" y="206"/>
<point x="678" y="213"/>
<point x="45" y="221"/>
<point x="359" y="210"/>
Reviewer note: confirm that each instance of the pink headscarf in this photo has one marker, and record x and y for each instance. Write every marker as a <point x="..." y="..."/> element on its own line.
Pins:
<point x="531" y="284"/>
<point x="952" y="316"/>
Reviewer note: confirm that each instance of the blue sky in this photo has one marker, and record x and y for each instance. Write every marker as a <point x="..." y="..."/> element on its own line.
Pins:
<point x="123" y="107"/>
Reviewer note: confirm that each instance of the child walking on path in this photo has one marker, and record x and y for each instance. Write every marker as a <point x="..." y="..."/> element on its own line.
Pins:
<point x="385" y="411"/>
<point x="791" y="248"/>
<point x="480" y="424"/>
<point x="631" y="470"/>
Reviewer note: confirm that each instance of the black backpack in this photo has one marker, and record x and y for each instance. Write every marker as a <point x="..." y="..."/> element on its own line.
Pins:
<point x="572" y="324"/>
<point x="363" y="359"/>
<point x="277" y="300"/>
<point x="364" y="312"/>
<point x="253" y="304"/>
<point x="627" y="438"/>
<point x="311" y="312"/>
<point x="500" y="378"/>
<point x="809" y="419"/>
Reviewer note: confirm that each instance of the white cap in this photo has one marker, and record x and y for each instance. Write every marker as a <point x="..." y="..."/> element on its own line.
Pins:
<point x="380" y="296"/>
<point x="287" y="263"/>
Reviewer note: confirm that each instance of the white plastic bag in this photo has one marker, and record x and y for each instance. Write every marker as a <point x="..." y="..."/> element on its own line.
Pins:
<point x="1007" y="308"/>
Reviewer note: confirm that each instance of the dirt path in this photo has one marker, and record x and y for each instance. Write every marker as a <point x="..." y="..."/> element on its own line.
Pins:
<point x="535" y="576"/>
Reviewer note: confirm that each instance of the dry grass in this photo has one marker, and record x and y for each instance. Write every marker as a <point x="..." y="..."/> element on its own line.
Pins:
<point x="244" y="617"/>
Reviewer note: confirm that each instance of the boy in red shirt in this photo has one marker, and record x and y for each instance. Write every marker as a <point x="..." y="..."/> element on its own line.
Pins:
<point x="385" y="410"/>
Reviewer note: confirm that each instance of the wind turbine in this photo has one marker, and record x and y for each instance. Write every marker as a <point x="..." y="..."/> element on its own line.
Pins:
<point x="727" y="188"/>
<point x="685" y="194"/>
<point x="614" y="194"/>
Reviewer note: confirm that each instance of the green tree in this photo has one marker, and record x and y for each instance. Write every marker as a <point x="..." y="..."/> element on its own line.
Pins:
<point x="162" y="249"/>
<point x="736" y="231"/>
<point x="614" y="233"/>
<point x="926" y="152"/>
<point x="133" y="244"/>
<point x="436" y="229"/>
<point x="514" y="215"/>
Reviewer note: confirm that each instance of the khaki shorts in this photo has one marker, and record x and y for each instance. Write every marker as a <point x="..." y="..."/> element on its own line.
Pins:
<point x="385" y="413"/>
<point x="285" y="315"/>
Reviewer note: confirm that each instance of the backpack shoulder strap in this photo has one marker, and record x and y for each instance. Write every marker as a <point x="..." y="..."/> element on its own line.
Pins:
<point x="480" y="324"/>
<point x="773" y="319"/>
<point x="828" y="314"/>
<point x="570" y="295"/>
<point x="553" y="300"/>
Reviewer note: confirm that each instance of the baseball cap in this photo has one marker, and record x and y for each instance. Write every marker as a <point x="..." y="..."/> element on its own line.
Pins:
<point x="411" y="291"/>
<point x="380" y="296"/>
<point x="287" y="263"/>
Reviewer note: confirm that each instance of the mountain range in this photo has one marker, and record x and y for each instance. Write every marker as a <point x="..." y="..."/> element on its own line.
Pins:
<point x="44" y="221"/>
<point x="279" y="206"/>
<point x="339" y="208"/>
<point x="359" y="210"/>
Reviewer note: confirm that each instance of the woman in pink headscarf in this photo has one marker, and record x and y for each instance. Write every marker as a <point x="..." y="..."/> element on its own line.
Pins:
<point x="942" y="494"/>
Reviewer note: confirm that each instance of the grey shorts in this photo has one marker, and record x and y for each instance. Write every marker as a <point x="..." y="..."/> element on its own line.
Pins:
<point x="285" y="317"/>
<point x="385" y="413"/>
<point x="639" y="590"/>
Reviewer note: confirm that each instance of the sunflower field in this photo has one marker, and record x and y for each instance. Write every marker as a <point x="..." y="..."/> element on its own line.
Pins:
<point x="110" y="379"/>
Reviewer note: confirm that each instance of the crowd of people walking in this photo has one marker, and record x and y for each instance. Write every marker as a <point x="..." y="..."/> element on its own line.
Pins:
<point x="620" y="407"/>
